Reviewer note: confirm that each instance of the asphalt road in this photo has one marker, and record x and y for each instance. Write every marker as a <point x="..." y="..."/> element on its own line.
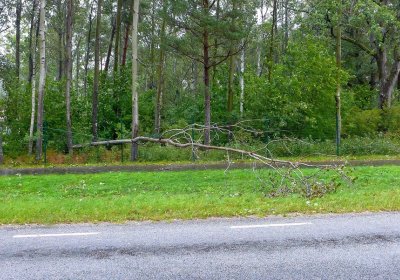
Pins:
<point x="359" y="246"/>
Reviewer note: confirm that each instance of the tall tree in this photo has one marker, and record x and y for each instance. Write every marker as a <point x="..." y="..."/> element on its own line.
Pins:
<point x="160" y="74"/>
<point x="373" y="27"/>
<point x="273" y="35"/>
<point x="261" y="36"/>
<point x="32" y="78"/>
<point x="232" y="68"/>
<point x="18" y="38"/>
<point x="199" y="25"/>
<point x="117" y="37"/>
<point x="241" y="81"/>
<point x="31" y="42"/>
<point x="110" y="45"/>
<point x="68" y="84"/>
<point x="1" y="145"/>
<point x="231" y="75"/>
<point x="87" y="54"/>
<point x="338" y="78"/>
<point x="95" y="96"/>
<point x="135" y="96"/>
<point x="42" y="79"/>
<point x="59" y="27"/>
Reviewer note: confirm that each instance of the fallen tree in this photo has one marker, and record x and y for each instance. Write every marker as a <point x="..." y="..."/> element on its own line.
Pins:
<point x="287" y="177"/>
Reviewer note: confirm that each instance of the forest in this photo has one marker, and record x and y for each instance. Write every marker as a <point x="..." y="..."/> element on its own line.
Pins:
<point x="321" y="76"/>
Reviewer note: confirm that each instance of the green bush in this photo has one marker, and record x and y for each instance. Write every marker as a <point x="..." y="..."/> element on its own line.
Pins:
<point x="362" y="122"/>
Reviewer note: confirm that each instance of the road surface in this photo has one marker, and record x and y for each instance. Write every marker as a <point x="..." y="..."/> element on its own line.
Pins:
<point x="351" y="246"/>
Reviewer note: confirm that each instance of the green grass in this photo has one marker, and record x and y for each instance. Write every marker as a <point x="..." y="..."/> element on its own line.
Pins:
<point x="119" y="197"/>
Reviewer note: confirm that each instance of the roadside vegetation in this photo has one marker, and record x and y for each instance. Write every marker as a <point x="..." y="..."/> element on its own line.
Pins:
<point x="355" y="148"/>
<point x="120" y="197"/>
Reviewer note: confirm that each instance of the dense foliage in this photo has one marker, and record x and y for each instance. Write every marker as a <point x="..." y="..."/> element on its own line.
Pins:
<point x="269" y="62"/>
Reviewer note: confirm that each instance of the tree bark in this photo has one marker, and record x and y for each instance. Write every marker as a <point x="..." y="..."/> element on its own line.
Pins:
<point x="42" y="80"/>
<point x="160" y="87"/>
<point x="1" y="145"/>
<point x="135" y="96"/>
<point x="206" y="79"/>
<point x="207" y="95"/>
<point x="241" y="81"/>
<point x="31" y="34"/>
<point x="286" y="37"/>
<point x="68" y="86"/>
<point x="215" y="53"/>
<point x="271" y="54"/>
<point x="230" y="83"/>
<point x="110" y="45"/>
<point x="33" y="92"/>
<point x="95" y="101"/>
<point x="261" y="40"/>
<point x="117" y="37"/>
<point x="18" y="38"/>
<point x="152" y="46"/>
<point x="338" y="81"/>
<point x="388" y="75"/>
<point x="126" y="43"/>
<point x="89" y="36"/>
<point x="32" y="76"/>
<point x="77" y="65"/>
<point x="195" y="73"/>
<point x="116" y="92"/>
<point x="60" y="48"/>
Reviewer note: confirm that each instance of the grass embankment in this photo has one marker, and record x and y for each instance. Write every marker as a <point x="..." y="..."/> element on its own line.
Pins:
<point x="118" y="197"/>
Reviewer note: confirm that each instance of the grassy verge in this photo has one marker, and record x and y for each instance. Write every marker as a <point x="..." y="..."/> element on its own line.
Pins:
<point x="10" y="164"/>
<point x="118" y="197"/>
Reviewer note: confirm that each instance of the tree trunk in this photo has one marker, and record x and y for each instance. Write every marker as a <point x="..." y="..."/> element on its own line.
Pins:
<point x="33" y="102"/>
<point x="152" y="46"/>
<point x="126" y="43"/>
<point x="215" y="53"/>
<point x="31" y="34"/>
<point x="42" y="80"/>
<point x="195" y="76"/>
<point x="60" y="57"/>
<point x="1" y="145"/>
<point x="95" y="95"/>
<point x="338" y="82"/>
<point x="116" y="93"/>
<point x="117" y="37"/>
<point x="33" y="92"/>
<point x="87" y="51"/>
<point x="18" y="38"/>
<point x="207" y="95"/>
<point x="242" y="69"/>
<point x="286" y="37"/>
<point x="230" y="83"/>
<point x="387" y="77"/>
<point x="110" y="45"/>
<point x="160" y="87"/>
<point x="77" y="66"/>
<point x="135" y="96"/>
<point x="232" y="65"/>
<point x="32" y="77"/>
<point x="261" y="40"/>
<point x="60" y="47"/>
<point x="272" y="40"/>
<point x="68" y="86"/>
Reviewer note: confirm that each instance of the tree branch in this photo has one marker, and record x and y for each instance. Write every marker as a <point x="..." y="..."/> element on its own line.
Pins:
<point x="263" y="159"/>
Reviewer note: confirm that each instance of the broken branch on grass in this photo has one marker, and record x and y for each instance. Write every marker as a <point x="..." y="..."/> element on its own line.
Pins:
<point x="266" y="160"/>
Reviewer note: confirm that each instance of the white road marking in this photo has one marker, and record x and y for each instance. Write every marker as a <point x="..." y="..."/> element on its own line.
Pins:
<point x="271" y="225"/>
<point x="56" y="235"/>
